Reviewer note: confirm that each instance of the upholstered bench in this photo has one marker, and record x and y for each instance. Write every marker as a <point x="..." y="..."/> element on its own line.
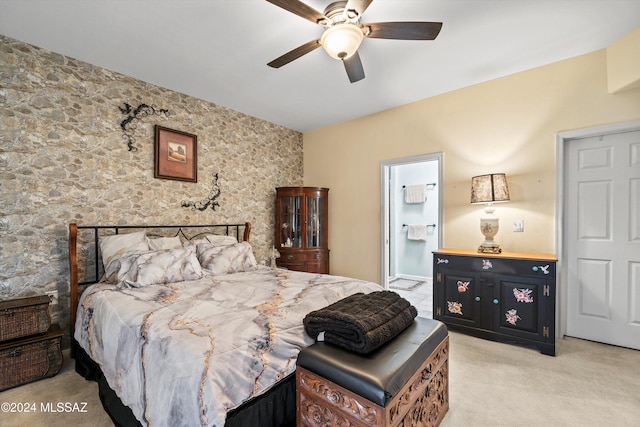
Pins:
<point x="403" y="383"/>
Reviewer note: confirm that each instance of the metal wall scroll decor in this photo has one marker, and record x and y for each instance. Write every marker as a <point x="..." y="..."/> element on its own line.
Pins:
<point x="128" y="125"/>
<point x="209" y="201"/>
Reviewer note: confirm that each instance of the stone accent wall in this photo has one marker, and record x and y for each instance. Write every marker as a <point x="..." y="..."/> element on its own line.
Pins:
<point x="63" y="159"/>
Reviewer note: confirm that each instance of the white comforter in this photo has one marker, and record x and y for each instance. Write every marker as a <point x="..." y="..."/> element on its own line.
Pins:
<point x="184" y="354"/>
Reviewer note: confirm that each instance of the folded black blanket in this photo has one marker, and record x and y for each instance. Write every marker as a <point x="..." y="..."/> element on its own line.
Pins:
<point x="362" y="322"/>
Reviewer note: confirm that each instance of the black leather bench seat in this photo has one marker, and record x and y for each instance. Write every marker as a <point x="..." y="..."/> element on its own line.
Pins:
<point x="377" y="376"/>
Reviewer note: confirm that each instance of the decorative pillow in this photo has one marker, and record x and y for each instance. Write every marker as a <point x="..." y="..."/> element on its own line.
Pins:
<point x="227" y="259"/>
<point x="141" y="268"/>
<point x="194" y="242"/>
<point x="161" y="243"/>
<point x="113" y="247"/>
<point x="221" y="240"/>
<point x="213" y="239"/>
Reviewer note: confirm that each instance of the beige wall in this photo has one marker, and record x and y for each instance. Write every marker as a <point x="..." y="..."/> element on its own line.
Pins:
<point x="623" y="62"/>
<point x="505" y="125"/>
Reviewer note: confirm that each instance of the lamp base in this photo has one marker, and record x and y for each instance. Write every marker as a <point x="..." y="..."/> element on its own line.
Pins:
<point x="489" y="249"/>
<point x="489" y="226"/>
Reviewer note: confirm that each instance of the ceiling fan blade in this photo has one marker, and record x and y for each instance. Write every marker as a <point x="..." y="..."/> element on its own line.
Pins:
<point x="404" y="30"/>
<point x="358" y="5"/>
<point x="353" y="65"/>
<point x="300" y="9"/>
<point x="295" y="54"/>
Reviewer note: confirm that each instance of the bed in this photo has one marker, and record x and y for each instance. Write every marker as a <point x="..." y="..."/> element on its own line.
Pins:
<point x="181" y="326"/>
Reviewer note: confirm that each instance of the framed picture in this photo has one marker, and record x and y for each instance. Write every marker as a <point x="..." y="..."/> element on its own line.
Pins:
<point x="176" y="155"/>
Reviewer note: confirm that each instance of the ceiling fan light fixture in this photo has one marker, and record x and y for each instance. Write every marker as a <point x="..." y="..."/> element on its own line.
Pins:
<point x="342" y="40"/>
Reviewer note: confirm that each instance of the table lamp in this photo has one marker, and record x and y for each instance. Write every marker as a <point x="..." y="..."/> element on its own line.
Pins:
<point x="489" y="189"/>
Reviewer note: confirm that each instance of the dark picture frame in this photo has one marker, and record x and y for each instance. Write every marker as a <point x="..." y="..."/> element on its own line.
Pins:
<point x="176" y="155"/>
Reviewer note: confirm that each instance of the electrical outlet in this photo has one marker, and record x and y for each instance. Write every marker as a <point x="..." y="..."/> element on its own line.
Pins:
<point x="518" y="226"/>
<point x="53" y="295"/>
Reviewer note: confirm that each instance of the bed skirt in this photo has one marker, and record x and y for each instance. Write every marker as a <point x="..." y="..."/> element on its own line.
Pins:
<point x="276" y="408"/>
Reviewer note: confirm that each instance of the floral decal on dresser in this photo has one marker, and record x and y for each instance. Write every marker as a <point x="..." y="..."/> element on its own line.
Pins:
<point x="454" y="307"/>
<point x="486" y="264"/>
<point x="523" y="295"/>
<point x="462" y="286"/>
<point x="512" y="316"/>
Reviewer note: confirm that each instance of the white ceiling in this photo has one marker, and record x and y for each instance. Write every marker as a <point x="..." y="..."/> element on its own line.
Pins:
<point x="217" y="50"/>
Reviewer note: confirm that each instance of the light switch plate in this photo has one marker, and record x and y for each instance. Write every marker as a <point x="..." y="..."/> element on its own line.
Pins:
<point x="518" y="226"/>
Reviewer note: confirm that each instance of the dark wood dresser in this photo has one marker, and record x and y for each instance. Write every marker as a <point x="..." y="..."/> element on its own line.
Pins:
<point x="508" y="297"/>
<point x="301" y="228"/>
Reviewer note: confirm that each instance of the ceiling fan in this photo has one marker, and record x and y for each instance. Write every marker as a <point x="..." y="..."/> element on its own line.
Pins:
<point x="344" y="32"/>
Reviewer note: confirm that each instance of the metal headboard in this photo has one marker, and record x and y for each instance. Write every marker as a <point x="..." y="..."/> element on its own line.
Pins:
<point x="187" y="232"/>
<point x="179" y="230"/>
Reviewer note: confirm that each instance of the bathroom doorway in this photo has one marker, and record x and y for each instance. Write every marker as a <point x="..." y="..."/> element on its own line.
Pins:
<point x="411" y="227"/>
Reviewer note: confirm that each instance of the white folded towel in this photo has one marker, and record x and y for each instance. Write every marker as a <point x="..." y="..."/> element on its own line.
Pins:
<point x="415" y="193"/>
<point x="417" y="232"/>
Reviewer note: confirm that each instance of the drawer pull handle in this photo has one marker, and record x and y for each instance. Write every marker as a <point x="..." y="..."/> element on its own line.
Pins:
<point x="317" y="256"/>
<point x="9" y="313"/>
<point x="477" y="299"/>
<point x="16" y="352"/>
<point x="495" y="301"/>
<point x="289" y="256"/>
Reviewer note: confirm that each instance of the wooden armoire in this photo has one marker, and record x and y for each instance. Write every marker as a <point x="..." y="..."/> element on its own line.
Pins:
<point x="301" y="228"/>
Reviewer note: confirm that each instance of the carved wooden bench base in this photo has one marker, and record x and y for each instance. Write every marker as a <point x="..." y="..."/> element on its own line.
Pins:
<point x="423" y="400"/>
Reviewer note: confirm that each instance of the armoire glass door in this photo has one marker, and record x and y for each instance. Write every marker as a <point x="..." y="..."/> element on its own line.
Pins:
<point x="291" y="222"/>
<point x="315" y="221"/>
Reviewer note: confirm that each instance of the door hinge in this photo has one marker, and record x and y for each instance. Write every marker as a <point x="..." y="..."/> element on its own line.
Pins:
<point x="438" y="311"/>
<point x="545" y="290"/>
<point x="439" y="277"/>
<point x="545" y="331"/>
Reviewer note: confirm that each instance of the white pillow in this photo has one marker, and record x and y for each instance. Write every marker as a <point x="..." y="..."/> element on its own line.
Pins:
<point x="227" y="259"/>
<point x="212" y="239"/>
<point x="113" y="247"/>
<point x="140" y="269"/>
<point x="160" y="243"/>
<point x="220" y="240"/>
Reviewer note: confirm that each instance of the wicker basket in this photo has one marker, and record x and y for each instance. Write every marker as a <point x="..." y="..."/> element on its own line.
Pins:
<point x="30" y="359"/>
<point x="23" y="317"/>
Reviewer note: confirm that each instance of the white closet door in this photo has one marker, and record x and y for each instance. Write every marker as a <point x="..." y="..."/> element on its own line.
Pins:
<point x="603" y="238"/>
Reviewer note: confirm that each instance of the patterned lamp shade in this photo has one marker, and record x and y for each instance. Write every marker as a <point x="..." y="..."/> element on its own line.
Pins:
<point x="489" y="188"/>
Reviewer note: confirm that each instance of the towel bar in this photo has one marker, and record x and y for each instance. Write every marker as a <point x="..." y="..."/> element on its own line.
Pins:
<point x="433" y="184"/>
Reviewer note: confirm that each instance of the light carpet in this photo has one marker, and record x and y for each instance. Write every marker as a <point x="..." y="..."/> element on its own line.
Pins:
<point x="490" y="384"/>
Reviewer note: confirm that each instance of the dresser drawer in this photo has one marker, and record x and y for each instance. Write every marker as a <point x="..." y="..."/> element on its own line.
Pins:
<point x="530" y="268"/>
<point x="303" y="256"/>
<point x="312" y="261"/>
